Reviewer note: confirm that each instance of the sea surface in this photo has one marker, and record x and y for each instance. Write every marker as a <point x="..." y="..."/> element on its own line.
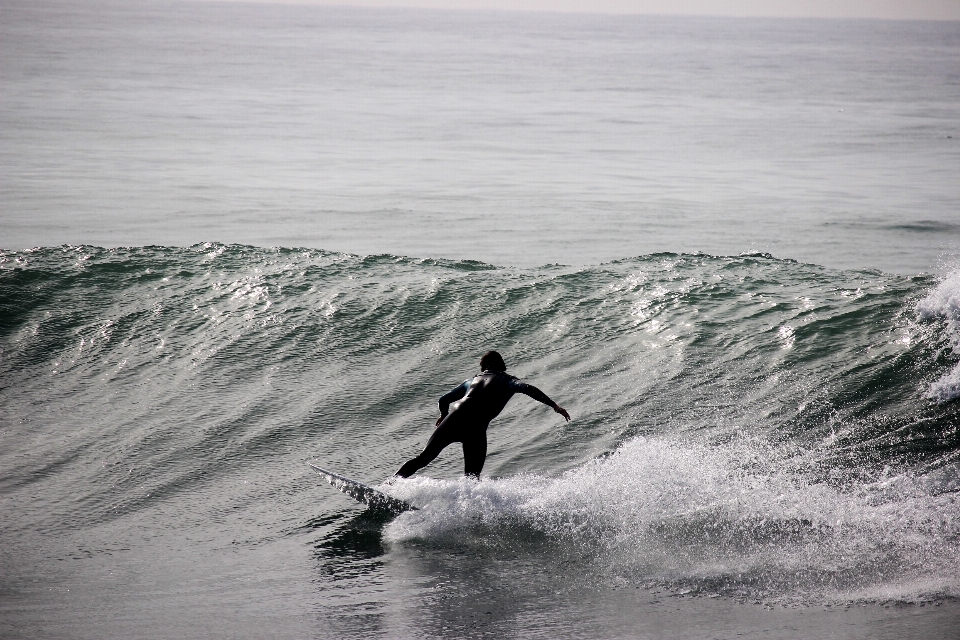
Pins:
<point x="516" y="139"/>
<point x="238" y="238"/>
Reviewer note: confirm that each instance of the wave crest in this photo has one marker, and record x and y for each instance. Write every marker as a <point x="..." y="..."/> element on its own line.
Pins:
<point x="944" y="303"/>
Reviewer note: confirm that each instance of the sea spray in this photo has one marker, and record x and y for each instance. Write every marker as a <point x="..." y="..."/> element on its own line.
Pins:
<point x="943" y="303"/>
<point x="731" y="519"/>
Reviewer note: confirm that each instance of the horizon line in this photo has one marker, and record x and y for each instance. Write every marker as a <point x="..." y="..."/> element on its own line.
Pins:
<point x="894" y="10"/>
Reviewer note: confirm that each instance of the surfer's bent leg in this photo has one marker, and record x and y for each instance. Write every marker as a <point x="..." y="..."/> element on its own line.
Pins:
<point x="444" y="435"/>
<point x="474" y="453"/>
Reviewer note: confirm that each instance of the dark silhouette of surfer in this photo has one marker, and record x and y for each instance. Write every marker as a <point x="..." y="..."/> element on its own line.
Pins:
<point x="475" y="403"/>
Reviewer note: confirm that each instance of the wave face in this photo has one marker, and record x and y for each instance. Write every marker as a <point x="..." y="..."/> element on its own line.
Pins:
<point x="744" y="426"/>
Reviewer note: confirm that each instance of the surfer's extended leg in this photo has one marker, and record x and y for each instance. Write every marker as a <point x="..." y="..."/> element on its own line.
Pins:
<point x="443" y="436"/>
<point x="474" y="453"/>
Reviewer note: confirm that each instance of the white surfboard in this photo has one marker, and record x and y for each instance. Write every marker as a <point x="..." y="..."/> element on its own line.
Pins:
<point x="360" y="492"/>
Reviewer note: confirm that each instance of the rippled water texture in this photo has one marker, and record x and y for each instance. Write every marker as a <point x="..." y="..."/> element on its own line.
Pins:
<point x="746" y="428"/>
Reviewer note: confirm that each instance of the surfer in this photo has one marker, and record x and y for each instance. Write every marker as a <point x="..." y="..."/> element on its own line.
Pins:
<point x="475" y="403"/>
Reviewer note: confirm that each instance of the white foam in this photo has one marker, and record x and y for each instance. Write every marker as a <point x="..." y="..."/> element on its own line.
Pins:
<point x="738" y="519"/>
<point x="944" y="302"/>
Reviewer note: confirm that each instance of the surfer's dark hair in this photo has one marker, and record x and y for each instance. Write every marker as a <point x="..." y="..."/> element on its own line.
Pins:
<point x="492" y="361"/>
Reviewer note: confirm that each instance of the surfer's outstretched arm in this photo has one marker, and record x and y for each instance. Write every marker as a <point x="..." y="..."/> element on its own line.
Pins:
<point x="539" y="396"/>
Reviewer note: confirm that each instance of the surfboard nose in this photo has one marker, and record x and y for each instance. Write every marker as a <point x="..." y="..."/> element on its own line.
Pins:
<point x="376" y="500"/>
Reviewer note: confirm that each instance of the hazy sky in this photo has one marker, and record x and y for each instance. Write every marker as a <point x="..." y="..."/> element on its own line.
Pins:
<point x="892" y="9"/>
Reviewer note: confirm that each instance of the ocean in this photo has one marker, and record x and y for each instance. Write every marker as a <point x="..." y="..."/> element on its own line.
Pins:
<point x="237" y="238"/>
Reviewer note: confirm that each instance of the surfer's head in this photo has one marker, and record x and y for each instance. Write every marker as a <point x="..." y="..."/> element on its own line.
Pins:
<point x="492" y="361"/>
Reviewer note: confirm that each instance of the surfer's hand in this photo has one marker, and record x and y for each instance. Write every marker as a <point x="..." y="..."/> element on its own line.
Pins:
<point x="562" y="412"/>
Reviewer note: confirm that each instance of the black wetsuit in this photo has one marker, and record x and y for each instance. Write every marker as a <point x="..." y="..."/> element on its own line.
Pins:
<point x="483" y="398"/>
